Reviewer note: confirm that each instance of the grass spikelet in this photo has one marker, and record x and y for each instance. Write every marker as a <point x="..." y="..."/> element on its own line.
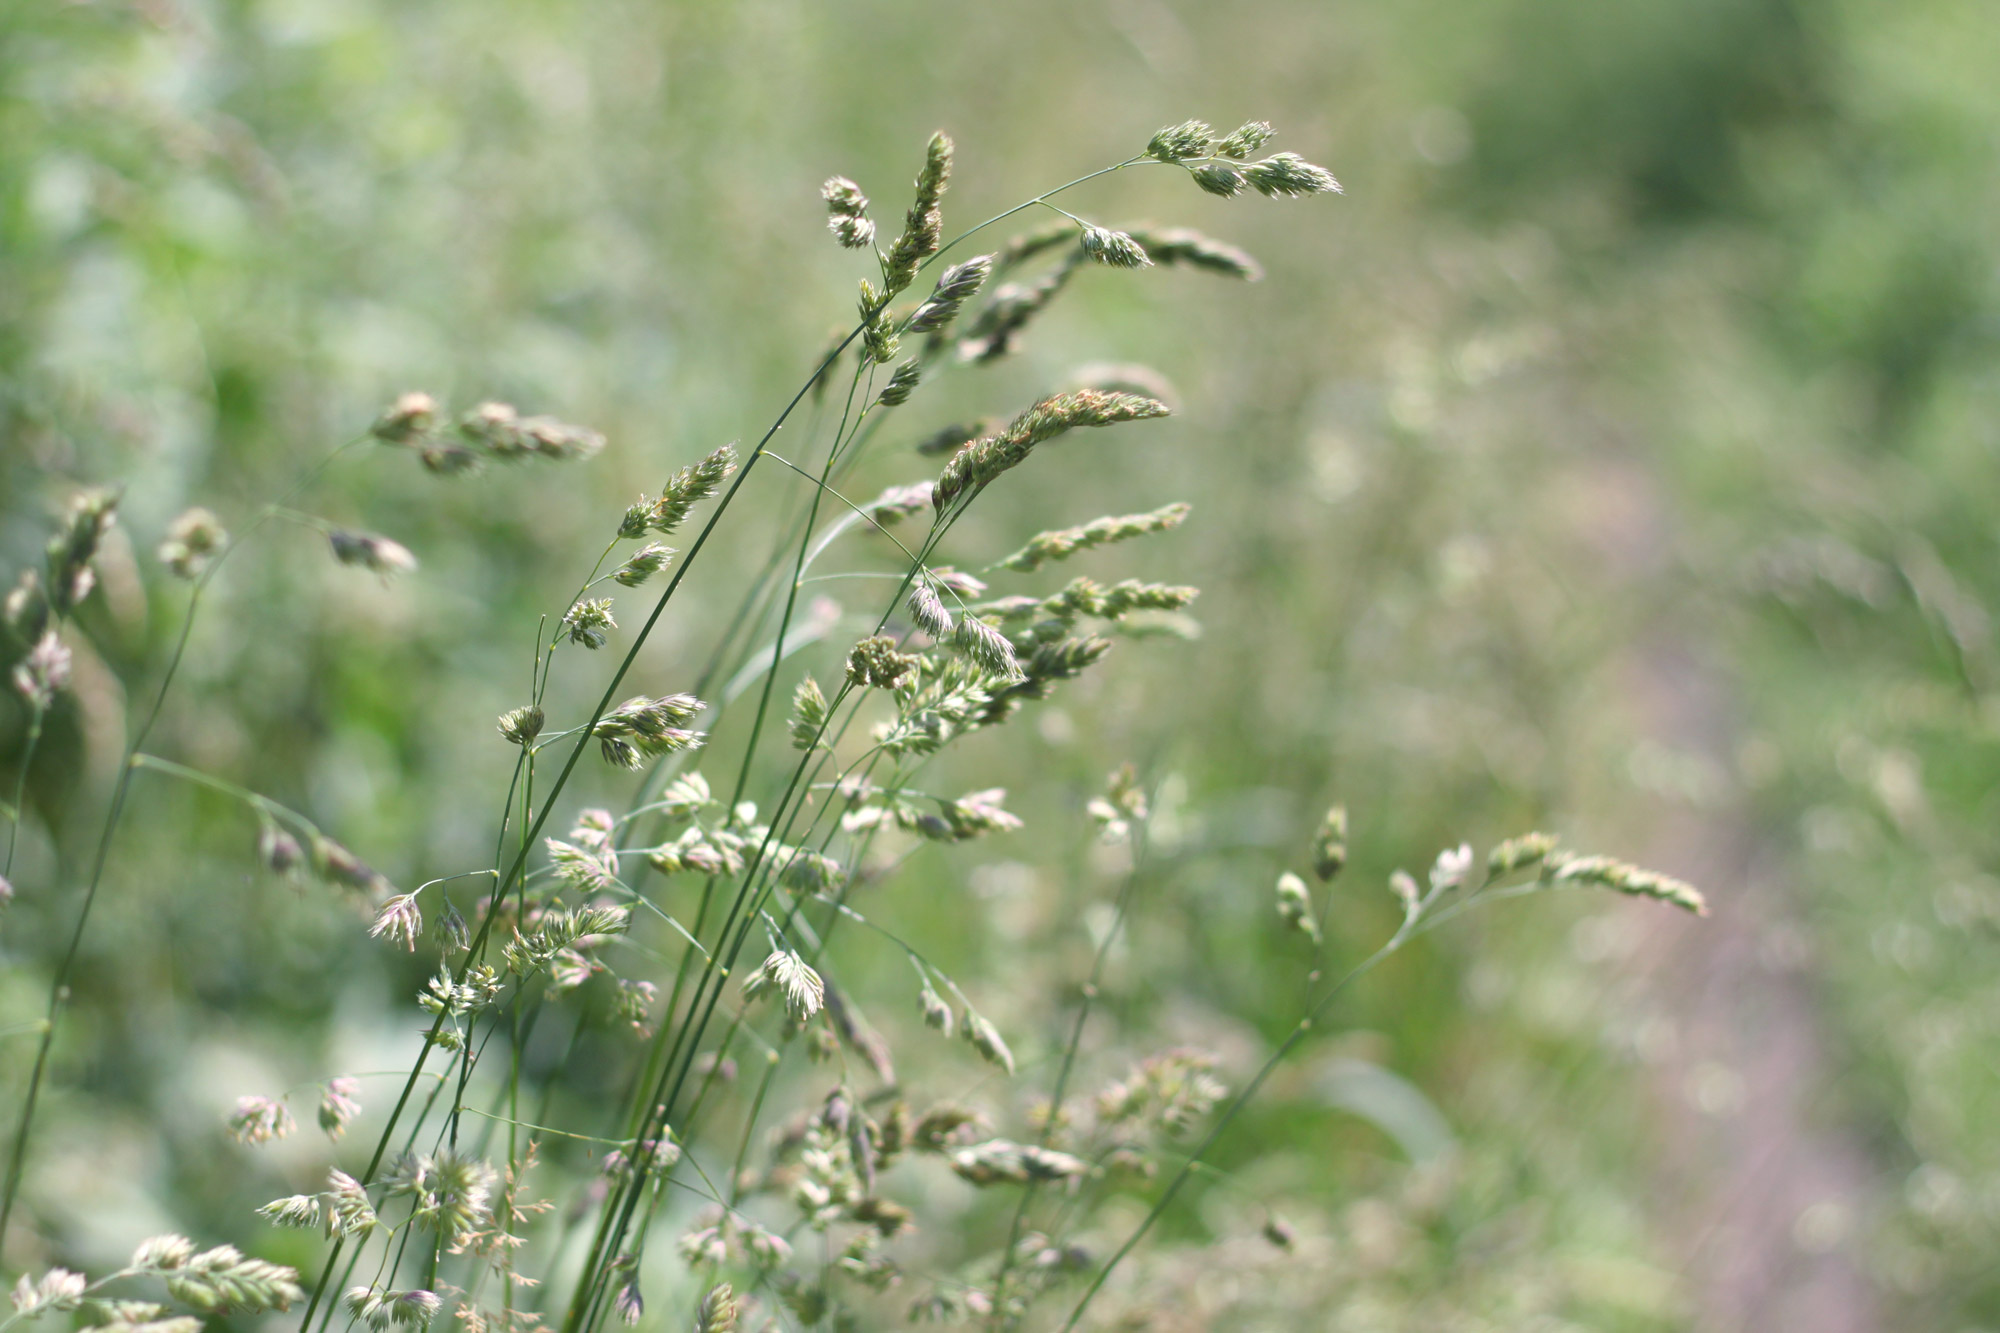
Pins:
<point x="376" y="554"/>
<point x="985" y="1039"/>
<point x="1289" y="176"/>
<point x="1183" y="142"/>
<point x="1113" y="249"/>
<point x="902" y="383"/>
<point x="1062" y="543"/>
<point x="923" y="226"/>
<point x="192" y="540"/>
<point x="718" y="1310"/>
<point x="847" y="213"/>
<point x="689" y="486"/>
<point x="589" y="622"/>
<point x="520" y="726"/>
<point x="1330" y="844"/>
<point x="1295" y="906"/>
<point x="1245" y="139"/>
<point x="875" y="661"/>
<point x="809" y="714"/>
<point x="791" y="977"/>
<point x="259" y="1120"/>
<point x="987" y="648"/>
<point x="1530" y="849"/>
<point x="1566" y="868"/>
<point x="927" y="609"/>
<point x="958" y="285"/>
<point x="1220" y="179"/>
<point x="642" y="564"/>
<point x="978" y="462"/>
<point x="400" y="921"/>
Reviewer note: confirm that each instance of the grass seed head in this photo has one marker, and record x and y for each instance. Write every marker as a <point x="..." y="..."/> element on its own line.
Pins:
<point x="1183" y="142"/>
<point x="1289" y="176"/>
<point x="371" y="552"/>
<point x="192" y="540"/>
<point x="520" y="726"/>
<point x="1114" y="249"/>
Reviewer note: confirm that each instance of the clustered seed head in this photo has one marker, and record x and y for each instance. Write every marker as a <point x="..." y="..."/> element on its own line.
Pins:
<point x="1185" y="245"/>
<point x="44" y="673"/>
<point x="927" y="609"/>
<point x="220" y="1280"/>
<point x="1569" y="868"/>
<point x="1518" y="853"/>
<point x="191" y="540"/>
<point x="878" y="331"/>
<point x="27" y="607"/>
<point x="978" y="462"/>
<point x="645" y="728"/>
<point x="689" y="487"/>
<point x="987" y="648"/>
<point x="901" y="384"/>
<point x="642" y="564"/>
<point x="407" y="420"/>
<point x="371" y="552"/>
<point x="1114" y="249"/>
<point x="91" y="514"/>
<point x="1000" y="1162"/>
<point x="400" y="920"/>
<point x="958" y="285"/>
<point x="1295" y="906"/>
<point x="876" y="661"/>
<point x="809" y="714"/>
<point x="520" y="726"/>
<point x="589" y="621"/>
<point x="1219" y="178"/>
<point x="985" y="1039"/>
<point x="1062" y="543"/>
<point x="1289" y="176"/>
<point x="493" y="431"/>
<point x="1245" y="139"/>
<point x="338" y="1106"/>
<point x="788" y="974"/>
<point x="847" y="213"/>
<point x="502" y="433"/>
<point x="380" y="1307"/>
<point x="718" y="1310"/>
<point x="1330" y="844"/>
<point x="1182" y="142"/>
<point x="259" y="1120"/>
<point x="923" y="226"/>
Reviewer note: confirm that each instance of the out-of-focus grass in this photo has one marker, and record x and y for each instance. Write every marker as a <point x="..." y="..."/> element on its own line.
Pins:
<point x="1638" y="325"/>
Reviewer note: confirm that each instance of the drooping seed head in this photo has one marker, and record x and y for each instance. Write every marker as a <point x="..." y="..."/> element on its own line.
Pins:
<point x="1114" y="249"/>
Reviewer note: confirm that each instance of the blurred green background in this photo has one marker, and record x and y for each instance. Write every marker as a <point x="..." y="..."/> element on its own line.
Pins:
<point x="1617" y="457"/>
